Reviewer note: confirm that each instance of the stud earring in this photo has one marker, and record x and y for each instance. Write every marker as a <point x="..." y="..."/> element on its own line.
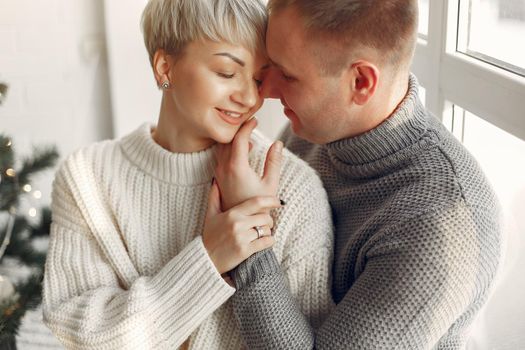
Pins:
<point x="165" y="85"/>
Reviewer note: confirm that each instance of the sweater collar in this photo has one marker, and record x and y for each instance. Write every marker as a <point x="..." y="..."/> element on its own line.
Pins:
<point x="401" y="130"/>
<point x="176" y="168"/>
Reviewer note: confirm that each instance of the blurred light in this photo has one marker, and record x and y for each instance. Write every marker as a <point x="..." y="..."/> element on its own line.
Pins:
<point x="32" y="212"/>
<point x="27" y="188"/>
<point x="37" y="194"/>
<point x="10" y="172"/>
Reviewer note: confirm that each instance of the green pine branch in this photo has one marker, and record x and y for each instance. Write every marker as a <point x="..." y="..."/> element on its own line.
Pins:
<point x="28" y="293"/>
<point x="8" y="185"/>
<point x="7" y="156"/>
<point x="12" y="186"/>
<point x="42" y="159"/>
<point x="43" y="227"/>
<point x="3" y="92"/>
<point x="21" y="246"/>
<point x="13" y="310"/>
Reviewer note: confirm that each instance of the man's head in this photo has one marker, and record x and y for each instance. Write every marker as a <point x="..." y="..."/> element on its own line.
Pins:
<point x="341" y="63"/>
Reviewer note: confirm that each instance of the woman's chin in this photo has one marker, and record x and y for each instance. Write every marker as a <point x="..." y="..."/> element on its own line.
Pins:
<point x="225" y="140"/>
<point x="225" y="136"/>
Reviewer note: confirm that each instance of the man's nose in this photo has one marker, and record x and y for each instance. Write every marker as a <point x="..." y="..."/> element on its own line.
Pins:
<point x="270" y="84"/>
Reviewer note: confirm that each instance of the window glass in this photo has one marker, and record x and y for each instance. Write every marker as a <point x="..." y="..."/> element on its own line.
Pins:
<point x="423" y="18"/>
<point x="422" y="95"/>
<point x="502" y="158"/>
<point x="493" y="31"/>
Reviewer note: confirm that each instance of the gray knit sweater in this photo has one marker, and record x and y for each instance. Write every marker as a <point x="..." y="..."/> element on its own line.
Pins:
<point x="417" y="243"/>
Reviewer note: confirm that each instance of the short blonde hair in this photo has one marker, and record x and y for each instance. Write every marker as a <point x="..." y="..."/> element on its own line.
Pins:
<point x="172" y="24"/>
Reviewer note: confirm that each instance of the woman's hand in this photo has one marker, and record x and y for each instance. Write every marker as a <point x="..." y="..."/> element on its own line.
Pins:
<point x="236" y="179"/>
<point x="230" y="237"/>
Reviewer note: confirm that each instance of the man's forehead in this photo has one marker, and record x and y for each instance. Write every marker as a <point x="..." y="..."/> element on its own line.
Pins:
<point x="285" y="40"/>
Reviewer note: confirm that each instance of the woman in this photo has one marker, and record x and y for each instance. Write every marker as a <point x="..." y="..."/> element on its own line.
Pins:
<point x="140" y="243"/>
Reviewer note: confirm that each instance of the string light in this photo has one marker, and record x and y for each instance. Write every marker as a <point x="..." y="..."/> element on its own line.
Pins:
<point x="8" y="144"/>
<point x="32" y="212"/>
<point x="37" y="194"/>
<point x="27" y="188"/>
<point x="10" y="172"/>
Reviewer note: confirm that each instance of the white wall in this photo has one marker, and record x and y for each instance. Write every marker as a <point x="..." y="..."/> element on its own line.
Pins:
<point x="52" y="55"/>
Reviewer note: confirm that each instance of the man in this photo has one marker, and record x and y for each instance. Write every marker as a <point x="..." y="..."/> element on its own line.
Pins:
<point x="417" y="241"/>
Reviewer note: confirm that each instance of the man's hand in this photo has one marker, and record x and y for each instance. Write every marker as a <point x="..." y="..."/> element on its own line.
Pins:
<point x="237" y="181"/>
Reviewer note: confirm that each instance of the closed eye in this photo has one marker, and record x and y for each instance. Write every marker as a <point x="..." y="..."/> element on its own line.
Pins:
<point x="287" y="77"/>
<point x="225" y="75"/>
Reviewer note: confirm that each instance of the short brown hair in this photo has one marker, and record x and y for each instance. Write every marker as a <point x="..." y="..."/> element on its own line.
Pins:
<point x="389" y="26"/>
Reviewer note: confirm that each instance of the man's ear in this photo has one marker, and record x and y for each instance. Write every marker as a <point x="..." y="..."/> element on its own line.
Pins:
<point x="365" y="80"/>
<point x="161" y="67"/>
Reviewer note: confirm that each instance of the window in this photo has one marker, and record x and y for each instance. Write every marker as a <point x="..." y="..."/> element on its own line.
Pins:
<point x="494" y="32"/>
<point x="423" y="19"/>
<point x="502" y="158"/>
<point x="470" y="61"/>
<point x="467" y="60"/>
<point x="422" y="94"/>
<point x="500" y="154"/>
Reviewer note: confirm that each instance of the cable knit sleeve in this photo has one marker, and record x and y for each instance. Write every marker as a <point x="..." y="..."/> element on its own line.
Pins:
<point x="289" y="285"/>
<point x="95" y="299"/>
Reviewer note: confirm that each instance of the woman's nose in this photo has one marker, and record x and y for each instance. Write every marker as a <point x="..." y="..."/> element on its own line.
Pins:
<point x="247" y="95"/>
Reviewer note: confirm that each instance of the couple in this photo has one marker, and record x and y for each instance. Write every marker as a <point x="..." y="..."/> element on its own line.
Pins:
<point x="377" y="231"/>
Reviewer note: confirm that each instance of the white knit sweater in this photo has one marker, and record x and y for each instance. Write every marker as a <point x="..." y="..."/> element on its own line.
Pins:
<point x="127" y="268"/>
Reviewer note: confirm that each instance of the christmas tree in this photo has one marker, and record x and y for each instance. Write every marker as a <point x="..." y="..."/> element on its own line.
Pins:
<point x="18" y="234"/>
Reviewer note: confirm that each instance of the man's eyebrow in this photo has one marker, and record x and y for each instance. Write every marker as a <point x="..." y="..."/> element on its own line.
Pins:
<point x="229" y="55"/>
<point x="273" y="63"/>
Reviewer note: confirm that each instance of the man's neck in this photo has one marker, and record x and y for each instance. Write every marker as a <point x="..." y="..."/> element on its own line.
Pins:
<point x="384" y="103"/>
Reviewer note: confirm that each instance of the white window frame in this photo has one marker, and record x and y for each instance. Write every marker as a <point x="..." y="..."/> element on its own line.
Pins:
<point x="453" y="78"/>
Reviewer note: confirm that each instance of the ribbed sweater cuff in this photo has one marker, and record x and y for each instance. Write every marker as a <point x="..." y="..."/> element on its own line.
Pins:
<point x="191" y="284"/>
<point x="254" y="268"/>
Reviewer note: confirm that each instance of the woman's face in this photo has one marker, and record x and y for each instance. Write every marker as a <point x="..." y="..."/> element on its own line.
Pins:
<point x="215" y="89"/>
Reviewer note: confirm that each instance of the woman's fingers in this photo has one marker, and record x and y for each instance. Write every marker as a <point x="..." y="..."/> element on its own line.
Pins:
<point x="214" y="201"/>
<point x="241" y="142"/>
<point x="261" y="244"/>
<point x="257" y="205"/>
<point x="259" y="220"/>
<point x="272" y="165"/>
<point x="223" y="153"/>
<point x="260" y="231"/>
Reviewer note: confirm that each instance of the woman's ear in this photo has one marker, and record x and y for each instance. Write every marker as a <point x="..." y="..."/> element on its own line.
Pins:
<point x="365" y="80"/>
<point x="161" y="68"/>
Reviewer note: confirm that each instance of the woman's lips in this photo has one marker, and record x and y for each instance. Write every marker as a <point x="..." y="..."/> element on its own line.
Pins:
<point x="231" y="118"/>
